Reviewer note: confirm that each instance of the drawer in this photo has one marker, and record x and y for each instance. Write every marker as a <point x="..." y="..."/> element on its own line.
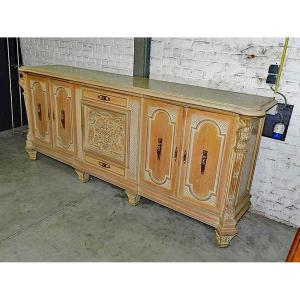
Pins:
<point x="103" y="96"/>
<point x="105" y="165"/>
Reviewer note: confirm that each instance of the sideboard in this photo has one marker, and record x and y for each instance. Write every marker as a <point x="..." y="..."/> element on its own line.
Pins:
<point x="189" y="148"/>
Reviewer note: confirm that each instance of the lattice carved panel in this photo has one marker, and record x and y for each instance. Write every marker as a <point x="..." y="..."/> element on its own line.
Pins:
<point x="106" y="133"/>
<point x="133" y="141"/>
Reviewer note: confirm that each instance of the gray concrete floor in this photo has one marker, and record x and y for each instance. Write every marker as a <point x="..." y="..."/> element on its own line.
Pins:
<point x="46" y="214"/>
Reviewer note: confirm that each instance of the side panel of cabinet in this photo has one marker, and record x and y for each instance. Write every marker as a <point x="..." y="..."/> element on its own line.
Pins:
<point x="41" y="110"/>
<point x="64" y="120"/>
<point x="207" y="146"/>
<point x="161" y="145"/>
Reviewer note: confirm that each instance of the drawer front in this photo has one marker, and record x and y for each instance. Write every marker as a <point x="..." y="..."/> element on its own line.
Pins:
<point x="104" y="96"/>
<point x="104" y="165"/>
<point x="105" y="132"/>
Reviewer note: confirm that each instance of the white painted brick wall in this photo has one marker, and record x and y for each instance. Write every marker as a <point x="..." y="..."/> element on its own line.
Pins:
<point x="241" y="65"/>
<point x="113" y="55"/>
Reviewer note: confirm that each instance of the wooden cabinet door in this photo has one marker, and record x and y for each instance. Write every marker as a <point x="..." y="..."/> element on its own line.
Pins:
<point x="161" y="145"/>
<point x="105" y="132"/>
<point x="205" y="158"/>
<point x="63" y="116"/>
<point x="41" y="110"/>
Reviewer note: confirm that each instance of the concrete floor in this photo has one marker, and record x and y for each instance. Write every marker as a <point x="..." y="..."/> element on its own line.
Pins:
<point x="46" y="214"/>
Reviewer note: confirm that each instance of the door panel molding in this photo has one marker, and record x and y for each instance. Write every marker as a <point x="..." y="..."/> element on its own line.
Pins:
<point x="63" y="116"/>
<point x="162" y="135"/>
<point x="196" y="124"/>
<point x="205" y="138"/>
<point x="152" y="112"/>
<point x="41" y="110"/>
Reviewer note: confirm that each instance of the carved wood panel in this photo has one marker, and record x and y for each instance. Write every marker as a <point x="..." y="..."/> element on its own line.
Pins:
<point x="134" y="106"/>
<point x="41" y="110"/>
<point x="63" y="102"/>
<point x="205" y="135"/>
<point x="161" y="139"/>
<point x="249" y="159"/>
<point x="106" y="132"/>
<point x="243" y="135"/>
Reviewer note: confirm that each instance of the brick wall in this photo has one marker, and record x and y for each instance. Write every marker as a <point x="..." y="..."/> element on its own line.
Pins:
<point x="104" y="54"/>
<point x="240" y="65"/>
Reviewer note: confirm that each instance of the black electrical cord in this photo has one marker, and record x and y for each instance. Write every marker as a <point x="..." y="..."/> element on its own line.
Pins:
<point x="281" y="116"/>
<point x="278" y="108"/>
<point x="284" y="97"/>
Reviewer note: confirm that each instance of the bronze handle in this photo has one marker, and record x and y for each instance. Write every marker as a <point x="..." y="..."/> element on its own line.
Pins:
<point x="175" y="153"/>
<point x="104" y="98"/>
<point x="184" y="157"/>
<point x="39" y="111"/>
<point x="104" y="165"/>
<point x="203" y="161"/>
<point x="63" y="118"/>
<point x="159" y="147"/>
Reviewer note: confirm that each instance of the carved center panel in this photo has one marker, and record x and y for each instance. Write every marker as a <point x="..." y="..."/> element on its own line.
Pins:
<point x="106" y="133"/>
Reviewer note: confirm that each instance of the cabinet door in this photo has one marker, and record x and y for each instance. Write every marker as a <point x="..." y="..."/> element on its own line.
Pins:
<point x="204" y="157"/>
<point x="105" y="132"/>
<point x="41" y="110"/>
<point x="161" y="145"/>
<point x="63" y="116"/>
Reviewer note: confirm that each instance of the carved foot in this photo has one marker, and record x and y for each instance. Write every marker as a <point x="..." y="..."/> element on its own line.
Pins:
<point x="223" y="240"/>
<point x="82" y="176"/>
<point x="133" y="199"/>
<point x="31" y="154"/>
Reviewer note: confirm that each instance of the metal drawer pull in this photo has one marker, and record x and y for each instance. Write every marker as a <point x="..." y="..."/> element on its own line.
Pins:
<point x="39" y="111"/>
<point x="63" y="119"/>
<point x="104" y="165"/>
<point x="184" y="157"/>
<point x="104" y="98"/>
<point x="159" y="147"/>
<point x="203" y="161"/>
<point x="175" y="153"/>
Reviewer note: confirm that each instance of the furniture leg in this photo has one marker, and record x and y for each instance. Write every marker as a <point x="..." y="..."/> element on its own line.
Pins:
<point x="225" y="232"/>
<point x="133" y="198"/>
<point x="82" y="176"/>
<point x="31" y="154"/>
<point x="223" y="240"/>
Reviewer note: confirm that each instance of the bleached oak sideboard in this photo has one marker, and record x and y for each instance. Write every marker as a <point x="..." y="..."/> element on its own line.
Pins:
<point x="189" y="148"/>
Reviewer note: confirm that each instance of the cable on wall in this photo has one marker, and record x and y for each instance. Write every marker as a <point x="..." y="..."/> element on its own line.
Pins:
<point x="286" y="42"/>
